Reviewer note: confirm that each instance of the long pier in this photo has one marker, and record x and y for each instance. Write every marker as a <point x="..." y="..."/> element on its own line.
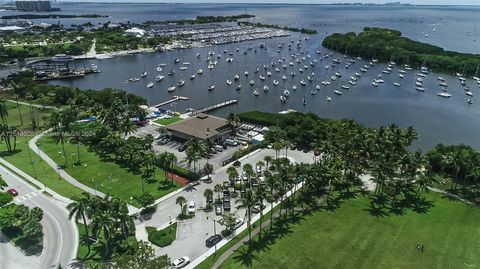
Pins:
<point x="174" y="99"/>
<point x="213" y="107"/>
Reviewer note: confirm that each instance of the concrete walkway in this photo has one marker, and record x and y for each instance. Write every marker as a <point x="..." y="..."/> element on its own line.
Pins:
<point x="30" y="104"/>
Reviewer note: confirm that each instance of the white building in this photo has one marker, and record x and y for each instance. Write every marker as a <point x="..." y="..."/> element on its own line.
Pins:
<point x="135" y="32"/>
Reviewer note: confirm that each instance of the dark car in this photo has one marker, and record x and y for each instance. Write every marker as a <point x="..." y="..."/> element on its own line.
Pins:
<point x="227" y="206"/>
<point x="182" y="148"/>
<point x="213" y="240"/>
<point x="13" y="192"/>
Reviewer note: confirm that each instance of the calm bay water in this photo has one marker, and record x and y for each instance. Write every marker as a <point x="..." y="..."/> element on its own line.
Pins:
<point x="438" y="120"/>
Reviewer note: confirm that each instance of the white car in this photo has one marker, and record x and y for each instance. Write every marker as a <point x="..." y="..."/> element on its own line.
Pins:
<point x="258" y="169"/>
<point x="191" y="207"/>
<point x="238" y="223"/>
<point x="181" y="262"/>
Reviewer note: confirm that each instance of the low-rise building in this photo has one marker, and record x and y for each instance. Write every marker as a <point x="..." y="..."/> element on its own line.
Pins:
<point x="135" y="32"/>
<point x="201" y="126"/>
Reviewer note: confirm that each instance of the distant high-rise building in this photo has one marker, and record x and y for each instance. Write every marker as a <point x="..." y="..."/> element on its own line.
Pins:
<point x="33" y="5"/>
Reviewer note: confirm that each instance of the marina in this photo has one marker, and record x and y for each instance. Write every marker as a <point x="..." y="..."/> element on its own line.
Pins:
<point x="223" y="77"/>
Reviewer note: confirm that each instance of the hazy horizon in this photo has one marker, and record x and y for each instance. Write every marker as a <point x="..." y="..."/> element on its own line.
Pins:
<point x="413" y="2"/>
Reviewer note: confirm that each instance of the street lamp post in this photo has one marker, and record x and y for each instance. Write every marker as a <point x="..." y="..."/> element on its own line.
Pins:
<point x="214" y="230"/>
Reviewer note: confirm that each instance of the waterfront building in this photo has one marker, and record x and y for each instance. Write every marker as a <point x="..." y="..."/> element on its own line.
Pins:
<point x="135" y="32"/>
<point x="201" y="126"/>
<point x="33" y="5"/>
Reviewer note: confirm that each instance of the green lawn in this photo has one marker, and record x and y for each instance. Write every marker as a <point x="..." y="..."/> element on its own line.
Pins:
<point x="23" y="158"/>
<point x="168" y="121"/>
<point x="352" y="238"/>
<point x="107" y="177"/>
<point x="163" y="237"/>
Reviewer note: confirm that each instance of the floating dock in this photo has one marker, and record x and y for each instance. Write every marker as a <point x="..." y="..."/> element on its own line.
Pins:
<point x="213" y="107"/>
<point x="174" y="99"/>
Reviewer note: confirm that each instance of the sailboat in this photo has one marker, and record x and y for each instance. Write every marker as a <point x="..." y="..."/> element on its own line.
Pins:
<point x="144" y="74"/>
<point x="286" y="93"/>
<point x="229" y="82"/>
<point x="265" y="88"/>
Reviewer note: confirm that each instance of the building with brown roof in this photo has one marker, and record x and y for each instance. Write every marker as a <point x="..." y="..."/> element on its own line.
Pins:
<point x="201" y="126"/>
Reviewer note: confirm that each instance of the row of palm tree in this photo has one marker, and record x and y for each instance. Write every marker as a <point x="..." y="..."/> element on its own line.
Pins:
<point x="103" y="218"/>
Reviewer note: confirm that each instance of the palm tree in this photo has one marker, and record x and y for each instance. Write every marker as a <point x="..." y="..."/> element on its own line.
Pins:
<point x="3" y="111"/>
<point x="247" y="202"/>
<point x="208" y="169"/>
<point x="260" y="196"/>
<point x="125" y="221"/>
<point x="218" y="189"/>
<point x="232" y="174"/>
<point x="268" y="160"/>
<point x="80" y="209"/>
<point x="102" y="222"/>
<point x="181" y="201"/>
<point x="208" y="193"/>
<point x="272" y="183"/>
<point x="167" y="160"/>
<point x="248" y="170"/>
<point x="195" y="149"/>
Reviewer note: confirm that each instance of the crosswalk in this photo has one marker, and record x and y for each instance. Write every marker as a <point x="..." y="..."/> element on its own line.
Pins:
<point x="25" y="197"/>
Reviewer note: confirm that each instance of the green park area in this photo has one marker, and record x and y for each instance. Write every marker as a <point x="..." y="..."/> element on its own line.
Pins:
<point x="351" y="237"/>
<point x="105" y="176"/>
<point x="25" y="159"/>
<point x="164" y="237"/>
<point x="168" y="121"/>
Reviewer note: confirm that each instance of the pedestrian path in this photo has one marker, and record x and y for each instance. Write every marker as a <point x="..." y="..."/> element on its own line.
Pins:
<point x="25" y="197"/>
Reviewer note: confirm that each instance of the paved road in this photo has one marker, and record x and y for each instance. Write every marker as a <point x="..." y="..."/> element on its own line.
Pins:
<point x="60" y="234"/>
<point x="191" y="234"/>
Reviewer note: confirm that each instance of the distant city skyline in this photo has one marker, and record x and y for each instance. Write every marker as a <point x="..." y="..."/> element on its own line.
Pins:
<point x="414" y="2"/>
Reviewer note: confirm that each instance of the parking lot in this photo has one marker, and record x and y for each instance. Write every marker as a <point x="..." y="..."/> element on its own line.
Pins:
<point x="216" y="160"/>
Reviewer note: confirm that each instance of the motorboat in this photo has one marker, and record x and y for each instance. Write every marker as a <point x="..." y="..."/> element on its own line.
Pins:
<point x="239" y="86"/>
<point x="229" y="82"/>
<point x="275" y="82"/>
<point x="262" y="77"/>
<point x="444" y="94"/>
<point x="265" y="88"/>
<point x="303" y="83"/>
<point x="420" y="89"/>
<point x="181" y="83"/>
<point x="193" y="76"/>
<point x="329" y="99"/>
<point x="337" y="92"/>
<point x="171" y="89"/>
<point x="211" y="87"/>
<point x="159" y="78"/>
<point x="144" y="74"/>
<point x="159" y="69"/>
<point x="199" y="71"/>
<point x="150" y="85"/>
<point x="286" y="93"/>
<point x="283" y="99"/>
<point x="345" y="87"/>
<point x="252" y="82"/>
<point x="236" y="77"/>
<point x="396" y="84"/>
<point x="256" y="93"/>
<point x="284" y="77"/>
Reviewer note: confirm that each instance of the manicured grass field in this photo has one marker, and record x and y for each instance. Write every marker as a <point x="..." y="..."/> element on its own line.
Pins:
<point x="352" y="238"/>
<point x="168" y="121"/>
<point x="23" y="158"/>
<point x="105" y="176"/>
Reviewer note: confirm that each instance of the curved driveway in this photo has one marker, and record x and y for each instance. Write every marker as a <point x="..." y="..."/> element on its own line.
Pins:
<point x="60" y="240"/>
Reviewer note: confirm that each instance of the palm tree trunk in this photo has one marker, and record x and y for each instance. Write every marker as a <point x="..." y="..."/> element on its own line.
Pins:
<point x="261" y="220"/>
<point x="86" y="234"/>
<point x="63" y="150"/>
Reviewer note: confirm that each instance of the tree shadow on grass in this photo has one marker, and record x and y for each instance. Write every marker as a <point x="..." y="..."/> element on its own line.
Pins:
<point x="422" y="205"/>
<point x="165" y="185"/>
<point x="245" y="256"/>
<point x="376" y="210"/>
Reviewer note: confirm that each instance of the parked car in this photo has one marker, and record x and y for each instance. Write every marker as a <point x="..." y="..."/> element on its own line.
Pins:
<point x="191" y="207"/>
<point x="213" y="240"/>
<point x="238" y="223"/>
<point x="182" y="148"/>
<point x="13" y="192"/>
<point x="231" y="142"/>
<point x="258" y="207"/>
<point x="218" y="210"/>
<point x="227" y="206"/>
<point x="181" y="262"/>
<point x="219" y="148"/>
<point x="258" y="169"/>
<point x="163" y="141"/>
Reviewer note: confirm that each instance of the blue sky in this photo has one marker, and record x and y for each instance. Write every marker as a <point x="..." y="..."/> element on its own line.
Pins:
<point x="420" y="2"/>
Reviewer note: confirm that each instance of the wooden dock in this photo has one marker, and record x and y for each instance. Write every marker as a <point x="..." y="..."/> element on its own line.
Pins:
<point x="213" y="107"/>
<point x="174" y="99"/>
